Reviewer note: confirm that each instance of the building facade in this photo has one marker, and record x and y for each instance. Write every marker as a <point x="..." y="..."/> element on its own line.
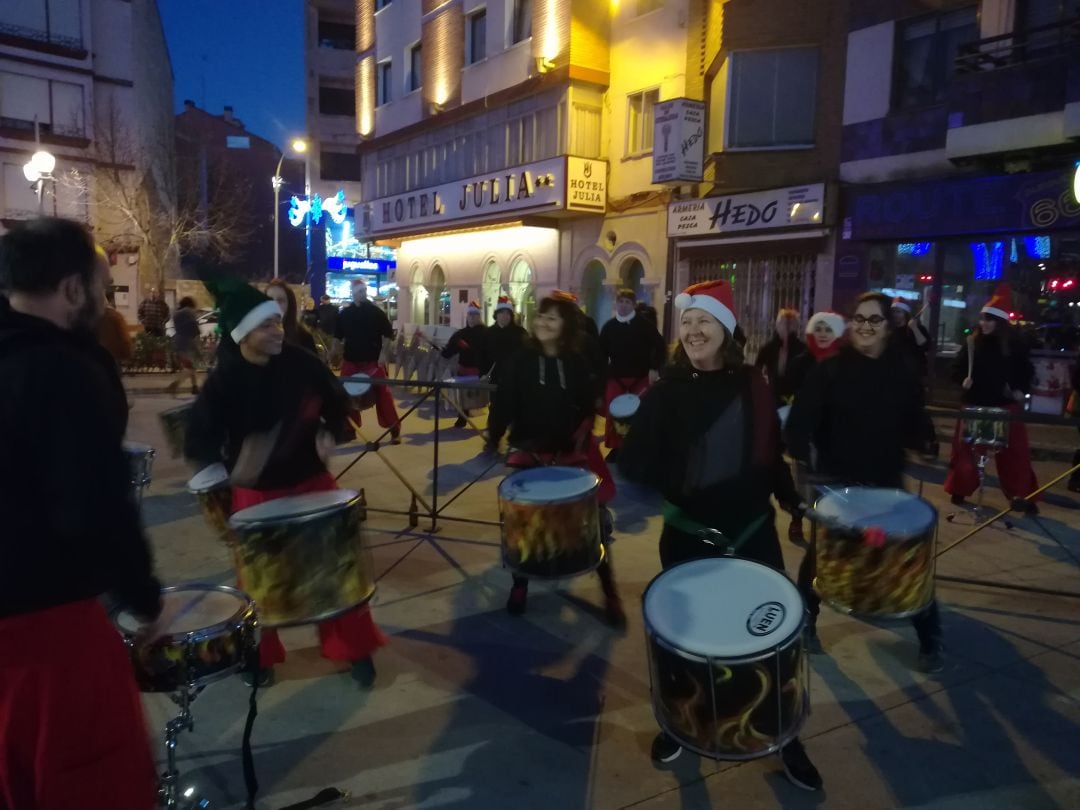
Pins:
<point x="90" y="82"/>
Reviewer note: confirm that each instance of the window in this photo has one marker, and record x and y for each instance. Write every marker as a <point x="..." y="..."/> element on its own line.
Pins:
<point x="237" y="142"/>
<point x="772" y="98"/>
<point x="339" y="36"/>
<point x="54" y="21"/>
<point x="381" y="4"/>
<point x="645" y="6"/>
<point x="416" y="67"/>
<point x="385" y="84"/>
<point x="337" y="101"/>
<point x="57" y="106"/>
<point x="926" y="53"/>
<point x="339" y="166"/>
<point x="522" y="20"/>
<point x="476" y="37"/>
<point x="639" y="121"/>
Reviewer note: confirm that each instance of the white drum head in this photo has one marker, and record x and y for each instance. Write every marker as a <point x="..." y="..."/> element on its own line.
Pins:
<point x="138" y="449"/>
<point x="357" y="389"/>
<point x="624" y="406"/>
<point x="723" y="607"/>
<point x="188" y="609"/>
<point x="897" y="513"/>
<point x="208" y="478"/>
<point x="293" y="508"/>
<point x="547" y="485"/>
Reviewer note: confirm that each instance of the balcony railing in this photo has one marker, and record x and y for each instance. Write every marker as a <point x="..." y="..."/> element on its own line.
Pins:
<point x="1056" y="39"/>
<point x="42" y="37"/>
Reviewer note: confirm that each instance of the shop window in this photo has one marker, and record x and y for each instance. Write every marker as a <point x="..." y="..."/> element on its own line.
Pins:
<point x="337" y="101"/>
<point x="772" y="98"/>
<point x="632" y="275"/>
<point x="639" y="121"/>
<point x="476" y="37"/>
<point x="438" y="311"/>
<point x="592" y="292"/>
<point x="522" y="292"/>
<point x="384" y="83"/>
<point x="926" y="52"/>
<point x="491" y="289"/>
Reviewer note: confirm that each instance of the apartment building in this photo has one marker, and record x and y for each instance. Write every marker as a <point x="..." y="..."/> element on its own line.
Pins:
<point x="90" y="82"/>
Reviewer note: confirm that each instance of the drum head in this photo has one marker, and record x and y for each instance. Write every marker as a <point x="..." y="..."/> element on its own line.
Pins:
<point x="190" y="608"/>
<point x="547" y="485"/>
<point x="723" y="607"/>
<point x="899" y="514"/>
<point x="624" y="406"/>
<point x="208" y="478"/>
<point x="357" y="389"/>
<point x="138" y="449"/>
<point x="294" y="508"/>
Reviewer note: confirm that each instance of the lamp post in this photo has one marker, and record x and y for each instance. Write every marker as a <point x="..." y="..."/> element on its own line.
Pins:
<point x="300" y="147"/>
<point x="37" y="171"/>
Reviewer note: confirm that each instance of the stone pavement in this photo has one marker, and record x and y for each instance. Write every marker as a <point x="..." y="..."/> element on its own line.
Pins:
<point x="473" y="708"/>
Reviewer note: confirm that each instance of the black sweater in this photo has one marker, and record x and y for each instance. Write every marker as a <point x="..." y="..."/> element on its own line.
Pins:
<point x="859" y="413"/>
<point x="501" y="343"/>
<point x="994" y="371"/>
<point x="468" y="345"/>
<point x="71" y="528"/>
<point x="542" y="400"/>
<point x="363" y="327"/>
<point x="634" y="348"/>
<point x="294" y="394"/>
<point x="799" y="360"/>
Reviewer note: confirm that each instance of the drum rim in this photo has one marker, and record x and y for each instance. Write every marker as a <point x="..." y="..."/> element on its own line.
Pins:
<point x="221" y="483"/>
<point x="139" y="448"/>
<point x="628" y="415"/>
<point x="794" y="636"/>
<point x="306" y="517"/>
<point x="238" y="619"/>
<point x="931" y="527"/>
<point x="556" y="502"/>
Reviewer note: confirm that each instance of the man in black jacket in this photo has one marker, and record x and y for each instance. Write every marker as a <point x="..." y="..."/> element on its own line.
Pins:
<point x="368" y="335"/>
<point x="71" y="720"/>
<point x="467" y="345"/>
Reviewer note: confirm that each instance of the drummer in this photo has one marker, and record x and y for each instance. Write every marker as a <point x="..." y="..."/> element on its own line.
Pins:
<point x="271" y="412"/>
<point x="467" y="345"/>
<point x="546" y="398"/>
<point x="502" y="340"/>
<point x="707" y="438"/>
<point x="859" y="410"/>
<point x="635" y="353"/>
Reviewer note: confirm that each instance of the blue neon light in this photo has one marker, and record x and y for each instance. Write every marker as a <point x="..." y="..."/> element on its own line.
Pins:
<point x="913" y="248"/>
<point x="988" y="260"/>
<point x="1037" y="247"/>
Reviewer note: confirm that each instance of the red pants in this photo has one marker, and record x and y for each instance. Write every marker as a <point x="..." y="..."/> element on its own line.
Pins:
<point x="617" y="386"/>
<point x="1013" y="464"/>
<point x="71" y="722"/>
<point x="384" y="399"/>
<point x="352" y="636"/>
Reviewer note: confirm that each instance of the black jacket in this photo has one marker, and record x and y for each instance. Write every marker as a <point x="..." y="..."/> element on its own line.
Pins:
<point x="468" y="345"/>
<point x="634" y="348"/>
<point x="799" y="360"/>
<point x="294" y="394"/>
<point x="542" y="400"/>
<point x="904" y="339"/>
<point x="71" y="527"/>
<point x="860" y="414"/>
<point x="994" y="371"/>
<point x="363" y="327"/>
<point x="501" y="343"/>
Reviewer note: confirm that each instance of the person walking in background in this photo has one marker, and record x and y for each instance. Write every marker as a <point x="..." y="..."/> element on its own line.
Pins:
<point x="502" y="340"/>
<point x="327" y="316"/>
<point x="154" y="314"/>
<point x="113" y="331"/>
<point x="784" y="359"/>
<point x="911" y="336"/>
<point x="824" y="334"/>
<point x="368" y="337"/>
<point x="467" y="345"/>
<point x="185" y="345"/>
<point x="295" y="332"/>
<point x="994" y="370"/>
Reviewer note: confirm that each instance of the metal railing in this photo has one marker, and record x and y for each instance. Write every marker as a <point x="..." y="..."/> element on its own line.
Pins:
<point x="1057" y="39"/>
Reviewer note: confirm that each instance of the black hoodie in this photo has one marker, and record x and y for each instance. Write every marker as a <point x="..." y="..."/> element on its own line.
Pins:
<point x="71" y="527"/>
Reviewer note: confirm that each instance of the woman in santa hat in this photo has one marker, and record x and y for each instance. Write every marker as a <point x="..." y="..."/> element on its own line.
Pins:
<point x="707" y="438"/>
<point x="467" y="345"/>
<point x="824" y="334"/>
<point x="994" y="370"/>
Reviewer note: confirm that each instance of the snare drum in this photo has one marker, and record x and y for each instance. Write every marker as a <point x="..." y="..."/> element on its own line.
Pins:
<point x="985" y="427"/>
<point x="301" y="558"/>
<point x="174" y="423"/>
<point x="212" y="489"/>
<point x="550" y="522"/>
<point x="622" y="410"/>
<point x="209" y="631"/>
<point x="141" y="462"/>
<point x="726" y="660"/>
<point x="362" y="393"/>
<point x="468" y="399"/>
<point x="874" y="552"/>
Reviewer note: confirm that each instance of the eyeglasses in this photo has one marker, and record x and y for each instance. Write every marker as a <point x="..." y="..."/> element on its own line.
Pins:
<point x="873" y="320"/>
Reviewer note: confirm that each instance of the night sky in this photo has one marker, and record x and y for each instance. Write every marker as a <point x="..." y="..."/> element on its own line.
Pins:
<point x="247" y="53"/>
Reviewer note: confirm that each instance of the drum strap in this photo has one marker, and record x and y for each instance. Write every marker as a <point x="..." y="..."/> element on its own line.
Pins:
<point x="678" y="519"/>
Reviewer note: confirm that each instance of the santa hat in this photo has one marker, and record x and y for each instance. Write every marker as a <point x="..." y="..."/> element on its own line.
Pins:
<point x="901" y="304"/>
<point x="473" y="308"/>
<point x="563" y="295"/>
<point x="240" y="306"/>
<point x="1000" y="303"/>
<point x="833" y="320"/>
<point x="714" y="297"/>
<point x="504" y="303"/>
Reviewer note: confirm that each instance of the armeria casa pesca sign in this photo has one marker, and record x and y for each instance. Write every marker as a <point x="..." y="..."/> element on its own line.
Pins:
<point x="777" y="208"/>
<point x="558" y="184"/>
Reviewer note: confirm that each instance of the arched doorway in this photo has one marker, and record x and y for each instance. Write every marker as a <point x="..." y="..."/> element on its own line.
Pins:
<point x="632" y="275"/>
<point x="419" y="297"/>
<point x="592" y="291"/>
<point x="439" y="298"/>
<point x="491" y="289"/>
<point x="522" y="292"/>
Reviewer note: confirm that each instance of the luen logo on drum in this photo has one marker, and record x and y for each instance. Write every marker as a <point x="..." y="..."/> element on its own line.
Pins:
<point x="765" y="618"/>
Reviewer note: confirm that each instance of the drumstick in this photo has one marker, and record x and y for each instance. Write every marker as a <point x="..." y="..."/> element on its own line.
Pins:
<point x="971" y="355"/>
<point x="392" y="468"/>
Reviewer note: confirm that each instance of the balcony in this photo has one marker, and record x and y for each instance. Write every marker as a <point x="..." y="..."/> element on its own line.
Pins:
<point x="1016" y="93"/>
<point x="49" y="42"/>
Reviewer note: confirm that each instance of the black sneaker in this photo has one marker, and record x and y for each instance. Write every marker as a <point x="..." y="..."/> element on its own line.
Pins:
<point x="265" y="677"/>
<point x="931" y="660"/>
<point x="1024" y="507"/>
<point x="811" y="642"/>
<point x="515" y="605"/>
<point x="460" y="422"/>
<point x="665" y="749"/>
<point x="363" y="672"/>
<point x="799" y="769"/>
<point x="956" y="500"/>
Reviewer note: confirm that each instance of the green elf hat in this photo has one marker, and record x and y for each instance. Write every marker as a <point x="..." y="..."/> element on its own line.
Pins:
<point x="241" y="307"/>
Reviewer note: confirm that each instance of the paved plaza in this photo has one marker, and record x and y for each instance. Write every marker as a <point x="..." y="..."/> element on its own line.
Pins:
<point x="473" y="708"/>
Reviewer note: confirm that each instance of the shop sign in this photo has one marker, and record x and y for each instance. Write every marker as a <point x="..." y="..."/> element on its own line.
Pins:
<point x="954" y="206"/>
<point x="734" y="213"/>
<point x="359" y="265"/>
<point x="558" y="184"/>
<point x="678" y="141"/>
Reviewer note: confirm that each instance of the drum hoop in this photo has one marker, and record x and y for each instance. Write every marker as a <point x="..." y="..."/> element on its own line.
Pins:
<point x="138" y="449"/>
<point x="236" y="620"/>
<point x="307" y="517"/>
<point x="545" y="578"/>
<point x="931" y="526"/>
<point x="553" y="502"/>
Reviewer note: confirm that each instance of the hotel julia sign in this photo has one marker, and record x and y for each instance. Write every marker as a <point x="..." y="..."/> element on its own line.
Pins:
<point x="558" y="184"/>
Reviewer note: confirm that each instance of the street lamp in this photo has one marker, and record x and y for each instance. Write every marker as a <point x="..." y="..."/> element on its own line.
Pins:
<point x="37" y="171"/>
<point x="300" y="147"/>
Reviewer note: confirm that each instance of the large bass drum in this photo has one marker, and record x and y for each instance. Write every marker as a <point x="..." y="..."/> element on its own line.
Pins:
<point x="726" y="660"/>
